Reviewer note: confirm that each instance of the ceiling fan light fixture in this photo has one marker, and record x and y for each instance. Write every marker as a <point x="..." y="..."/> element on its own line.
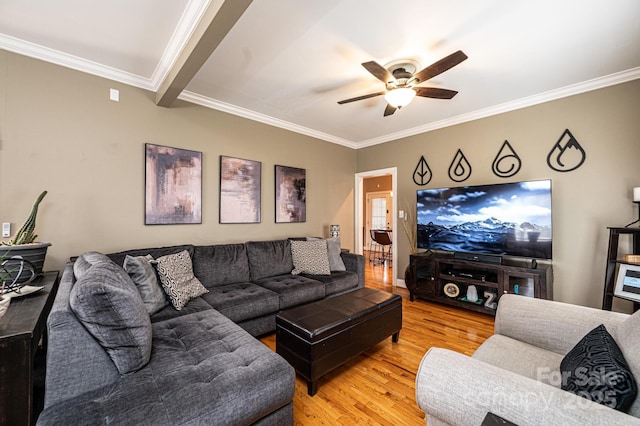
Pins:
<point x="400" y="97"/>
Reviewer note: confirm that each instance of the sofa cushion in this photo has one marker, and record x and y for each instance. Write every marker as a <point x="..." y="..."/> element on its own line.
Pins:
<point x="269" y="258"/>
<point x="178" y="281"/>
<point x="294" y="290"/>
<point x="242" y="301"/>
<point x="532" y="361"/>
<point x="155" y="252"/>
<point x="108" y="304"/>
<point x="310" y="257"/>
<point x="337" y="282"/>
<point x="205" y="370"/>
<point x="595" y="369"/>
<point x="144" y="276"/>
<point x="628" y="340"/>
<point x="221" y="264"/>
<point x="194" y="305"/>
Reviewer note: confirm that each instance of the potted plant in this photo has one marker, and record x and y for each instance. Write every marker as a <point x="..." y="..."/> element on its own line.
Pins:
<point x="410" y="231"/>
<point x="22" y="257"/>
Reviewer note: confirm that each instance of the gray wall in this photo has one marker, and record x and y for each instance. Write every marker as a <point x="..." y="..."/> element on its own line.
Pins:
<point x="585" y="201"/>
<point x="60" y="132"/>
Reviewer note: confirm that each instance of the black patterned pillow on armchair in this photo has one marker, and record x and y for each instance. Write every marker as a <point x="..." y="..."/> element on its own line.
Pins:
<point x="595" y="369"/>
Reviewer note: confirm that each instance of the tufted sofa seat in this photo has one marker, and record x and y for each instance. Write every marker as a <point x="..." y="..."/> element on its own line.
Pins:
<point x="204" y="370"/>
<point x="205" y="365"/>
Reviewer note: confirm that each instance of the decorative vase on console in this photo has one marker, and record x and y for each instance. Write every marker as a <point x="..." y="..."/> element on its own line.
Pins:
<point x="472" y="294"/>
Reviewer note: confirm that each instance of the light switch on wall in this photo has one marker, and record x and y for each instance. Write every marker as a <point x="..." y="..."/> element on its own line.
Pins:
<point x="6" y="229"/>
<point x="401" y="214"/>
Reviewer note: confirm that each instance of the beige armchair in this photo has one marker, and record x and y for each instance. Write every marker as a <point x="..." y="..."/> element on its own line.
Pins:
<point x="515" y="374"/>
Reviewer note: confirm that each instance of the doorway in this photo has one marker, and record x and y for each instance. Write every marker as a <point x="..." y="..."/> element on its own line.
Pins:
<point x="378" y="207"/>
<point x="362" y="212"/>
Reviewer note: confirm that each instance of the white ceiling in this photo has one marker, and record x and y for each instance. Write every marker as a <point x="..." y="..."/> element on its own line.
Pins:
<point x="288" y="62"/>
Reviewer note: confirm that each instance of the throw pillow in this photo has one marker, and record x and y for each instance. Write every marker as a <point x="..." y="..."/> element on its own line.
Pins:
<point x="107" y="303"/>
<point x="178" y="280"/>
<point x="86" y="260"/>
<point x="143" y="275"/>
<point x="333" y="249"/>
<point x="310" y="257"/>
<point x="595" y="369"/>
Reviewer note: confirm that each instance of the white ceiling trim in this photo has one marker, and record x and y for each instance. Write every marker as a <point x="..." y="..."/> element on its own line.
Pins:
<point x="36" y="51"/>
<point x="190" y="19"/>
<point x="186" y="26"/>
<point x="262" y="118"/>
<point x="574" y="89"/>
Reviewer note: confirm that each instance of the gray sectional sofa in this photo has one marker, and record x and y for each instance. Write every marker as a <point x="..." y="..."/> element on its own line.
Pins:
<point x="204" y="364"/>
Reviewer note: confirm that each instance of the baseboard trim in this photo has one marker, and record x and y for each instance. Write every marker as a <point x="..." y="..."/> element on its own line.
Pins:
<point x="400" y="283"/>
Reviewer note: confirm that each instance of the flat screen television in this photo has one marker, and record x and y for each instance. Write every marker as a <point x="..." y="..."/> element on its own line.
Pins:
<point x="505" y="219"/>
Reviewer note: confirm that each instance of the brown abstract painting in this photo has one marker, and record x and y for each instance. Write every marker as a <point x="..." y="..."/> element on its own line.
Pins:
<point x="173" y="185"/>
<point x="291" y="194"/>
<point x="240" y="186"/>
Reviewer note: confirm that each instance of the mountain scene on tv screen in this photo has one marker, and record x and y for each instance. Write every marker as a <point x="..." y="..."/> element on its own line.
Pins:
<point x="505" y="219"/>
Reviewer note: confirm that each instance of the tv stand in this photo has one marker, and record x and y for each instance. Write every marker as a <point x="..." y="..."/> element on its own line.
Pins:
<point x="444" y="278"/>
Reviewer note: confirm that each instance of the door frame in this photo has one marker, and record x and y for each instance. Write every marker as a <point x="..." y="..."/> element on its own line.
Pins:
<point x="388" y="195"/>
<point x="359" y="219"/>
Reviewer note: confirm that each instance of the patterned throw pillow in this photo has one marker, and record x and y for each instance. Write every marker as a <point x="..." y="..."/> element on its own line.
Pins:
<point x="310" y="257"/>
<point x="143" y="274"/>
<point x="595" y="369"/>
<point x="178" y="281"/>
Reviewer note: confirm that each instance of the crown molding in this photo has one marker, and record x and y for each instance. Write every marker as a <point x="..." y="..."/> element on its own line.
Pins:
<point x="36" y="51"/>
<point x="191" y="17"/>
<point x="186" y="26"/>
<point x="262" y="118"/>
<point x="551" y="95"/>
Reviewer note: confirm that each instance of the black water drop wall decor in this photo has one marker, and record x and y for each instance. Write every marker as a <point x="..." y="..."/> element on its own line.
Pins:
<point x="567" y="154"/>
<point x="507" y="163"/>
<point x="460" y="168"/>
<point x="422" y="174"/>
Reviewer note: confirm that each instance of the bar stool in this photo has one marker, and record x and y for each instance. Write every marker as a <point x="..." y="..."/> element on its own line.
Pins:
<point x="382" y="252"/>
<point x="373" y="245"/>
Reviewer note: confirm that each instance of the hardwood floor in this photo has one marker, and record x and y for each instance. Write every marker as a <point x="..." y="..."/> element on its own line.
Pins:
<point x="378" y="386"/>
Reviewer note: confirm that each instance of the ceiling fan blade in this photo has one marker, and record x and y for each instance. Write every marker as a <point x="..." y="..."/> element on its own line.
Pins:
<point x="435" y="92"/>
<point x="359" y="98"/>
<point x="389" y="110"/>
<point x="380" y="72"/>
<point x="439" y="67"/>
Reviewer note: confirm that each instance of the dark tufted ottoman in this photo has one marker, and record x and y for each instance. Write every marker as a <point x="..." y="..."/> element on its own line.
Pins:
<point x="320" y="336"/>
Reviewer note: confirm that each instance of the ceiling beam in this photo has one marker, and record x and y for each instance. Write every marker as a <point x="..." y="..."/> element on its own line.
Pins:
<point x="215" y="24"/>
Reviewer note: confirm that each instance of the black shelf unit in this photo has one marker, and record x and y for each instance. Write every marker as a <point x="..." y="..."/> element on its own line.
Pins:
<point x="613" y="261"/>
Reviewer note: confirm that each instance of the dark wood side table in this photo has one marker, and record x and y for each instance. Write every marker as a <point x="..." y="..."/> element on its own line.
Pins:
<point x="21" y="330"/>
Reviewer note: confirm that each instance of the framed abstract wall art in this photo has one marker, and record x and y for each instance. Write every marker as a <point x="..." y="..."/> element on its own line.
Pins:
<point x="291" y="194"/>
<point x="173" y="185"/>
<point x="240" y="186"/>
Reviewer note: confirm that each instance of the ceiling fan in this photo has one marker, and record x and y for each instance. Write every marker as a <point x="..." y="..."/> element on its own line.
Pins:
<point x="401" y="85"/>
